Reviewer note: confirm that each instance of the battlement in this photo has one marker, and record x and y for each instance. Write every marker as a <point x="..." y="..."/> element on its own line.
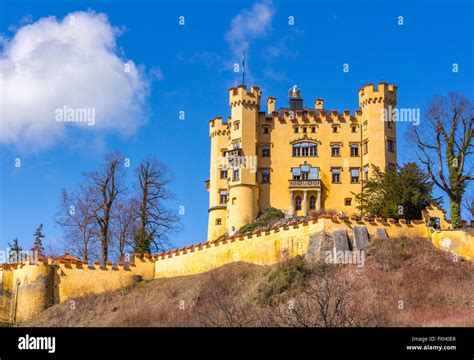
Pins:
<point x="315" y="116"/>
<point x="27" y="286"/>
<point x="393" y="227"/>
<point x="240" y="96"/>
<point x="383" y="93"/>
<point x="218" y="127"/>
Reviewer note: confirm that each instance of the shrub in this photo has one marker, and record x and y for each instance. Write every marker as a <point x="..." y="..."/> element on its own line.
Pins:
<point x="269" y="217"/>
<point x="284" y="277"/>
<point x="246" y="229"/>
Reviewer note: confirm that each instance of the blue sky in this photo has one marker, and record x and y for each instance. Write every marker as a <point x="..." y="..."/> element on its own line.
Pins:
<point x="190" y="68"/>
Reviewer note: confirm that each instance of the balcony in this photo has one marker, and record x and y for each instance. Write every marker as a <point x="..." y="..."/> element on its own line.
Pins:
<point x="232" y="153"/>
<point x="305" y="184"/>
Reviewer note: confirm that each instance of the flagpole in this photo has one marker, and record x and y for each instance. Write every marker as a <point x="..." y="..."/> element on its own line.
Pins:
<point x="243" y="68"/>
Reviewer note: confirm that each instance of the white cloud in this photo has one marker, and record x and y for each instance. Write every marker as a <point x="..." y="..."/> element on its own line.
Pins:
<point x="249" y="25"/>
<point x="155" y="73"/>
<point x="73" y="63"/>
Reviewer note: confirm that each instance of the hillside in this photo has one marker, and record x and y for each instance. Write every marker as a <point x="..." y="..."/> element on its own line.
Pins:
<point x="405" y="282"/>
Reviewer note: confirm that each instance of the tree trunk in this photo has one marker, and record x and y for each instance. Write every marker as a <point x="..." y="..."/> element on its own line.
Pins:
<point x="455" y="212"/>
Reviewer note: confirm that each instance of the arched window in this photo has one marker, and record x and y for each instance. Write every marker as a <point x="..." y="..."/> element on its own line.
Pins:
<point x="312" y="202"/>
<point x="305" y="149"/>
<point x="265" y="151"/>
<point x="298" y="203"/>
<point x="354" y="150"/>
<point x="296" y="149"/>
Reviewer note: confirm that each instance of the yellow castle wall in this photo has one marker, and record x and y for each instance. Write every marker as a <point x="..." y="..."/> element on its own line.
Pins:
<point x="43" y="285"/>
<point x="27" y="291"/>
<point x="458" y="241"/>
<point x="266" y="248"/>
<point x="74" y="281"/>
<point x="260" y="249"/>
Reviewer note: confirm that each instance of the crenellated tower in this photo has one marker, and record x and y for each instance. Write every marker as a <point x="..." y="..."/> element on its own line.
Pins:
<point x="242" y="205"/>
<point x="217" y="184"/>
<point x="378" y="128"/>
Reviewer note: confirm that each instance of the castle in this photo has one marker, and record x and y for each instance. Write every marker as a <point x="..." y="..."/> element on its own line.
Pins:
<point x="296" y="159"/>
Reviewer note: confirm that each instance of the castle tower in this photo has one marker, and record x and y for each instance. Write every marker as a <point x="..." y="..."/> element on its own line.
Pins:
<point x="242" y="202"/>
<point x="217" y="184"/>
<point x="378" y="134"/>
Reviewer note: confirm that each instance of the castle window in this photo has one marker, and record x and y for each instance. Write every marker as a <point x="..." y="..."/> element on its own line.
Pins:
<point x="312" y="202"/>
<point x="335" y="128"/>
<point x="354" y="176"/>
<point x="218" y="221"/>
<point x="265" y="176"/>
<point x="236" y="125"/>
<point x="305" y="169"/>
<point x="354" y="150"/>
<point x="223" y="196"/>
<point x="391" y="166"/>
<point x="348" y="202"/>
<point x="313" y="129"/>
<point x="295" y="129"/>
<point x="366" y="172"/>
<point x="266" y="130"/>
<point x="296" y="149"/>
<point x="354" y="128"/>
<point x="265" y="151"/>
<point x="364" y="126"/>
<point x="391" y="146"/>
<point x="389" y="124"/>
<point x="298" y="203"/>
<point x="235" y="175"/>
<point x="296" y="172"/>
<point x="305" y="130"/>
<point x="335" y="150"/>
<point x="223" y="174"/>
<point x="366" y="148"/>
<point x="304" y="149"/>
<point x="336" y="175"/>
<point x="314" y="173"/>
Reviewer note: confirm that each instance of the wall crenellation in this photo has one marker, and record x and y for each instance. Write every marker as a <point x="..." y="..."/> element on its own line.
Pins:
<point x="30" y="287"/>
<point x="392" y="224"/>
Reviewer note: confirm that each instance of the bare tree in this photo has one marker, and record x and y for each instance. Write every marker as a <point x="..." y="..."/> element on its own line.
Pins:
<point x="444" y="144"/>
<point x="124" y="225"/>
<point x="155" y="220"/>
<point x="105" y="186"/>
<point x="326" y="301"/>
<point x="77" y="220"/>
<point x="222" y="304"/>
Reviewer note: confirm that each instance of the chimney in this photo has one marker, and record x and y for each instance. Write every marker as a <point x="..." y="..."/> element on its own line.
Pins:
<point x="271" y="104"/>
<point x="319" y="104"/>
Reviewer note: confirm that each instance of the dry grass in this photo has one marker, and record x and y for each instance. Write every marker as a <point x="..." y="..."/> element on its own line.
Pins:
<point x="405" y="282"/>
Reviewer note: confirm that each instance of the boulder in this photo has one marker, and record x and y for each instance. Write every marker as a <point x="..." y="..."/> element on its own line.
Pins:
<point x="318" y="244"/>
<point x="381" y="233"/>
<point x="361" y="237"/>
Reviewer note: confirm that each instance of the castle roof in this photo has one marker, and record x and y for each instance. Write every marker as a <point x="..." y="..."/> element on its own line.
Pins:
<point x="66" y="257"/>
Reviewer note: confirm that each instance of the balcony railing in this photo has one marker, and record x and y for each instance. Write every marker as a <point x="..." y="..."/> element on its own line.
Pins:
<point x="305" y="183"/>
<point x="233" y="153"/>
